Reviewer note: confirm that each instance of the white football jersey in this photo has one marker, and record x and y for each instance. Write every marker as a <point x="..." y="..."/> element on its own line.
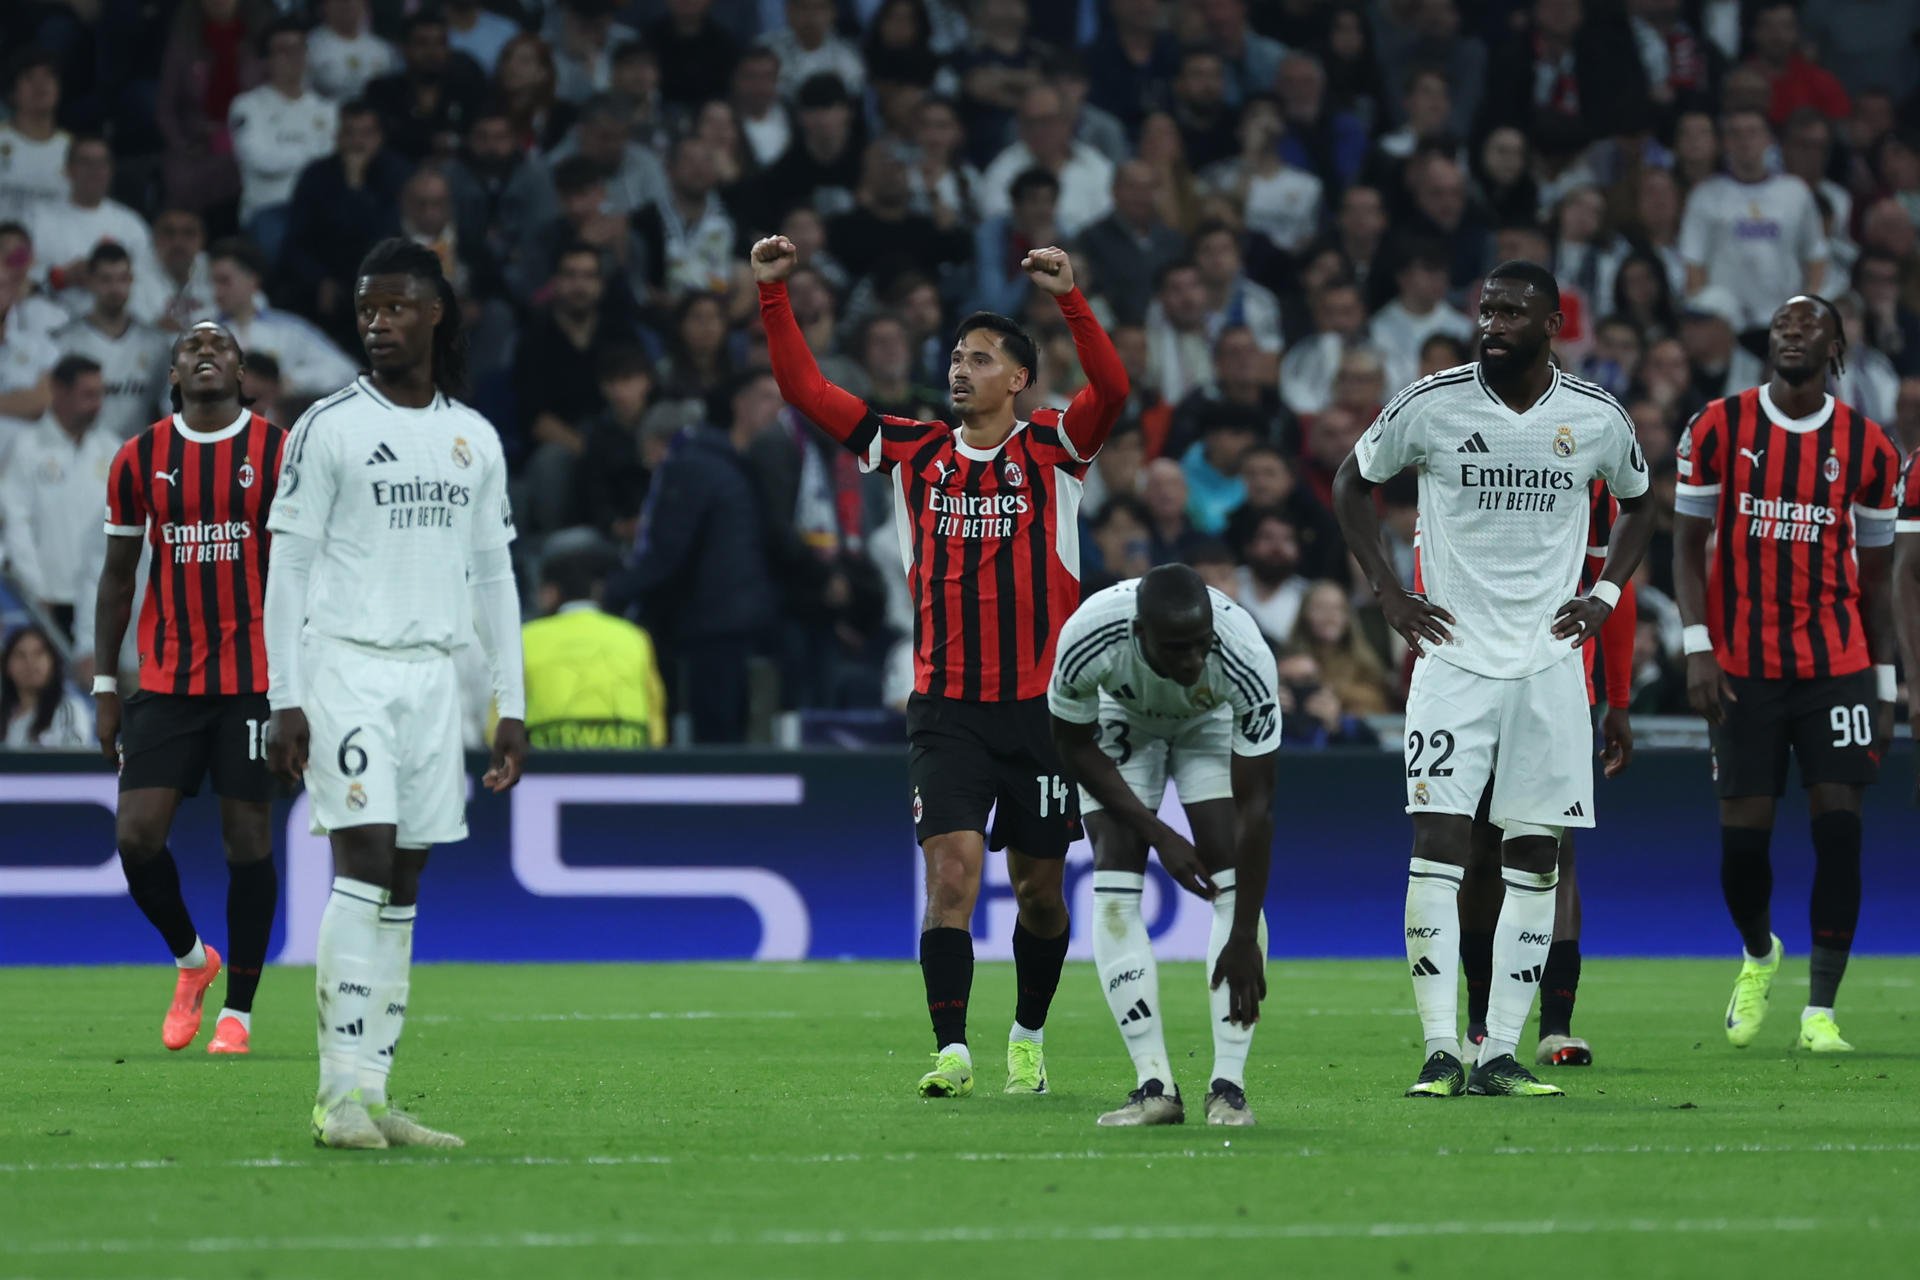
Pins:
<point x="134" y="368"/>
<point x="397" y="499"/>
<point x="1099" y="664"/>
<point x="1503" y="504"/>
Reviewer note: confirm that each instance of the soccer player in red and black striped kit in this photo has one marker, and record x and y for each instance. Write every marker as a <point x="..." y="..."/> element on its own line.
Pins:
<point x="1481" y="890"/>
<point x="195" y="487"/>
<point x="1790" y="638"/>
<point x="987" y="514"/>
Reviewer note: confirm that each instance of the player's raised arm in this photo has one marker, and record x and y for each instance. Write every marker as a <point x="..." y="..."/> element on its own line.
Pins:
<point x="1095" y="407"/>
<point x="838" y="412"/>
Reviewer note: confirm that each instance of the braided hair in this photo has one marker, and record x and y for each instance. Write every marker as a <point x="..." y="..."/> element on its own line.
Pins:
<point x="174" y="396"/>
<point x="401" y="257"/>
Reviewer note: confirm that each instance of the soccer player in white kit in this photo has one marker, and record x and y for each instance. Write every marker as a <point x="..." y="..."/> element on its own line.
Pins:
<point x="1505" y="449"/>
<point x="1164" y="677"/>
<point x="390" y="530"/>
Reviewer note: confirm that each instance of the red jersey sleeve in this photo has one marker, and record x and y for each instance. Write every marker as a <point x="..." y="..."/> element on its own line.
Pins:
<point x="1909" y="517"/>
<point x="1701" y="462"/>
<point x="1616" y="648"/>
<point x="126" y="493"/>
<point x="1880" y="489"/>
<point x="1089" y="418"/>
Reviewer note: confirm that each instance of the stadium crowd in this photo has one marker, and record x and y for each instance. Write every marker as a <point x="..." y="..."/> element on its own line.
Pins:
<point x="1281" y="211"/>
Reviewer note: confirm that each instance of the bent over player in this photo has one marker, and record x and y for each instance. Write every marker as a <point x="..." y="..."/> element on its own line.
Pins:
<point x="1159" y="678"/>
<point x="1505" y="449"/>
<point x="196" y="487"/>
<point x="1790" y="640"/>
<point x="988" y="519"/>
<point x="393" y="515"/>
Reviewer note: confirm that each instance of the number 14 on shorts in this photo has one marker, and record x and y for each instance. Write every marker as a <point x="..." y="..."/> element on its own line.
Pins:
<point x="1053" y="792"/>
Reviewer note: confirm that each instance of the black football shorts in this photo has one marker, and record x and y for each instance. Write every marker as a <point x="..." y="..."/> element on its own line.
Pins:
<point x="173" y="741"/>
<point x="1826" y="722"/>
<point x="968" y="758"/>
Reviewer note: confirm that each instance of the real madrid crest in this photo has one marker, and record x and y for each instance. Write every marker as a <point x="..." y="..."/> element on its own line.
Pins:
<point x="1563" y="442"/>
<point x="356" y="797"/>
<point x="1831" y="469"/>
<point x="462" y="455"/>
<point x="246" y="475"/>
<point x="1203" y="697"/>
<point x="1420" y="793"/>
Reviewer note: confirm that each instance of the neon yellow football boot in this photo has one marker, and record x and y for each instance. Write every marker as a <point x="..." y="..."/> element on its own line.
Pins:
<point x="951" y="1077"/>
<point x="1819" y="1033"/>
<point x="1748" y="1007"/>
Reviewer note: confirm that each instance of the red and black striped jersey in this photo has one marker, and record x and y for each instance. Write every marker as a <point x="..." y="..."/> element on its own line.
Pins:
<point x="201" y="500"/>
<point x="1908" y="520"/>
<point x="1790" y="499"/>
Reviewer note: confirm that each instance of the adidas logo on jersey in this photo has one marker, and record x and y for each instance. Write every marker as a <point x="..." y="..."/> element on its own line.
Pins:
<point x="382" y="454"/>
<point x="1425" y="968"/>
<point x="1473" y="444"/>
<point x="1136" y="1013"/>
<point x="1574" y="810"/>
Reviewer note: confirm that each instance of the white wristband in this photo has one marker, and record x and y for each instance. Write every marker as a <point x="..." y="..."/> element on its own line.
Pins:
<point x="1696" y="639"/>
<point x="1884" y="678"/>
<point x="106" y="684"/>
<point x="1607" y="593"/>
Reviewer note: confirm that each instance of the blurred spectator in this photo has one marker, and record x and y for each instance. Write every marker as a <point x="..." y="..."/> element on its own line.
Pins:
<point x="1243" y="380"/>
<point x="478" y="32"/>
<point x="583" y="219"/>
<point x="36" y="707"/>
<point x="343" y="54"/>
<point x="426" y="218"/>
<point x="310" y="364"/>
<point x="1429" y="36"/>
<point x="635" y="84"/>
<point x="1643" y="296"/>
<point x="1754" y="233"/>
<point x="1794" y="80"/>
<point x="66" y="231"/>
<point x="899" y="58"/>
<point x="1437" y="187"/>
<point x="701" y="573"/>
<point x="1273" y="488"/>
<point x="1231" y="298"/>
<point x="208" y="62"/>
<point x="502" y="194"/>
<point x="1270" y="585"/>
<point x="1615" y="358"/>
<point x="1868" y="43"/>
<point x="341" y="205"/>
<point x="1170" y="532"/>
<point x="1199" y="106"/>
<point x="1659" y="688"/>
<point x="35" y="170"/>
<point x="526" y="84"/>
<point x="1586" y="253"/>
<point x="1311" y="714"/>
<point x="1696" y="149"/>
<point x="1708" y="328"/>
<point x="882" y="235"/>
<point x="807" y="46"/>
<point x="688" y="232"/>
<point x="1360" y="234"/>
<point x="1891" y="326"/>
<point x="1870" y="382"/>
<point x="279" y="128"/>
<point x="1322" y="138"/>
<point x="1122" y="544"/>
<point x="633" y="174"/>
<point x="27" y="353"/>
<point x="186" y="280"/>
<point x="696" y="53"/>
<point x="1175" y="192"/>
<point x="1214" y="562"/>
<point x="809" y="235"/>
<point x="1502" y="177"/>
<point x="945" y="187"/>
<point x="1179" y="357"/>
<point x="822" y="168"/>
<point x="1418" y="311"/>
<point x="1117" y="469"/>
<point x="1212" y="466"/>
<point x="1046" y="142"/>
<point x="584" y="36"/>
<point x="1349" y="666"/>
<point x="1249" y="59"/>
<point x="50" y="492"/>
<point x="1680" y="68"/>
<point x="614" y="464"/>
<point x="1441" y="352"/>
<point x="1332" y="433"/>
<point x="556" y="381"/>
<point x="1133" y="60"/>
<point x="593" y="680"/>
<point x="1426" y="107"/>
<point x="1343" y="40"/>
<point x="1100" y="129"/>
<point x="132" y="356"/>
<point x="262" y="385"/>
<point x="763" y="117"/>
<point x="1906" y="415"/>
<point x="1280" y="203"/>
<point x="699" y="361"/>
<point x="885" y="355"/>
<point x="1806" y="152"/>
<point x="1308" y="369"/>
<point x="1002" y="241"/>
<point x="426" y="106"/>
<point x="1560" y="79"/>
<point x="1129" y="247"/>
<point x="997" y="70"/>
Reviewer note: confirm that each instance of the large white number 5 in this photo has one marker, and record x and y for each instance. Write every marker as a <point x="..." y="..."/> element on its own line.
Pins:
<point x="1852" y="726"/>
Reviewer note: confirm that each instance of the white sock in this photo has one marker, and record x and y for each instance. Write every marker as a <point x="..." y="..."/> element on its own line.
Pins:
<point x="244" y="1019"/>
<point x="1023" y="1033"/>
<point x="960" y="1049"/>
<point x="387" y="1012"/>
<point x="345" y="971"/>
<point x="194" y="959"/>
<point x="1433" y="950"/>
<point x="1123" y="957"/>
<point x="1230" y="1040"/>
<point x="1521" y="941"/>
<point x="1814" y="1010"/>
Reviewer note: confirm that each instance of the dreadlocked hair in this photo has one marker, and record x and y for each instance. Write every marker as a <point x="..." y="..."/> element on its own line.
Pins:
<point x="400" y="257"/>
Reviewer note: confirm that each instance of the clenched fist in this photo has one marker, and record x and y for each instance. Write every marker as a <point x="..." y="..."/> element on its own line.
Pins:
<point x="775" y="257"/>
<point x="1051" y="270"/>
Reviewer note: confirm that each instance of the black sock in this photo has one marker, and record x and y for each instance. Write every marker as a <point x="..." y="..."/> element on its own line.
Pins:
<point x="253" y="891"/>
<point x="946" y="963"/>
<point x="155" y="885"/>
<point x="1559" y="984"/>
<point x="1036" y="968"/>
<point x="1476" y="961"/>
<point x="1746" y="880"/>
<point x="1836" y="902"/>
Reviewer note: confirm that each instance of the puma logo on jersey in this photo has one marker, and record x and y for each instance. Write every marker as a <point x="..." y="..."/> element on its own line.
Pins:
<point x="941" y="470"/>
<point x="171" y="477"/>
<point x="1752" y="455"/>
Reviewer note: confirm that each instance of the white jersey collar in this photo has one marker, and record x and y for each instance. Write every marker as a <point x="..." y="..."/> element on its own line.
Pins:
<point x="212" y="437"/>
<point x="1799" y="426"/>
<point x="965" y="450"/>
<point x="365" y="383"/>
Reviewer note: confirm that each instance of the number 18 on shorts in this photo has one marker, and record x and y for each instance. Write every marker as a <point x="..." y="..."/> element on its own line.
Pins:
<point x="1530" y="735"/>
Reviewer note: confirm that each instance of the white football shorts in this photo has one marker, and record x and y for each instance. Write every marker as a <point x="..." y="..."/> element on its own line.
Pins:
<point x="1532" y="736"/>
<point x="386" y="745"/>
<point x="1197" y="754"/>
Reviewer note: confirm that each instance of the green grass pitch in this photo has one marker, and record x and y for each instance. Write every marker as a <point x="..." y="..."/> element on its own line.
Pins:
<point x="759" y="1121"/>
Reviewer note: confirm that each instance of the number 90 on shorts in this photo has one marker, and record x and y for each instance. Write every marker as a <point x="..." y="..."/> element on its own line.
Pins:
<point x="1530" y="736"/>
